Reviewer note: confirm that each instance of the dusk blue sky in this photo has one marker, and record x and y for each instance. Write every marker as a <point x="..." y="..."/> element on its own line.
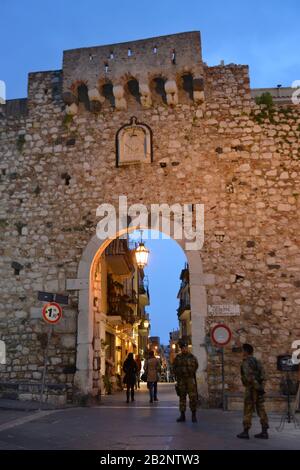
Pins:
<point x="264" y="34"/>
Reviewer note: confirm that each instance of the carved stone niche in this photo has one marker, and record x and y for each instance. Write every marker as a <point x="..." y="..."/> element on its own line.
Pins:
<point x="134" y="143"/>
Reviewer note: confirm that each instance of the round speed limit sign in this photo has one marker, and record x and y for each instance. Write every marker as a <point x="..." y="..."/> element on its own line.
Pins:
<point x="52" y="312"/>
<point x="221" y="334"/>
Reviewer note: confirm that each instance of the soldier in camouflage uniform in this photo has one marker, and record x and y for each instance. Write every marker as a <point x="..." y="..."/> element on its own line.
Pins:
<point x="185" y="366"/>
<point x="253" y="378"/>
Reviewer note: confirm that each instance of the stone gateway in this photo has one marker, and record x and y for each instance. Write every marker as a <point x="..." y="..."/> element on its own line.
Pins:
<point x="150" y="120"/>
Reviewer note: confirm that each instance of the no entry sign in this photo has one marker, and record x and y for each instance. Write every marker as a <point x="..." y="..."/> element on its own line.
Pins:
<point x="52" y="312"/>
<point x="221" y="334"/>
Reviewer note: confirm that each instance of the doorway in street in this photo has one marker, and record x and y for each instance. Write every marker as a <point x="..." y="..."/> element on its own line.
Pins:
<point x="114" y="308"/>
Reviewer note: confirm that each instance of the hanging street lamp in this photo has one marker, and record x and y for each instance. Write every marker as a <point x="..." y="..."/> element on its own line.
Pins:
<point x="141" y="254"/>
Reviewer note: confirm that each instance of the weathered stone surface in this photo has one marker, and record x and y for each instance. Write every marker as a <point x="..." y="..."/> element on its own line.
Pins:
<point x="76" y="284"/>
<point x="68" y="341"/>
<point x="72" y="109"/>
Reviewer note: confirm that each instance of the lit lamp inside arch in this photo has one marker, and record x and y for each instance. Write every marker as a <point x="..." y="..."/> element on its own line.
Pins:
<point x="141" y="254"/>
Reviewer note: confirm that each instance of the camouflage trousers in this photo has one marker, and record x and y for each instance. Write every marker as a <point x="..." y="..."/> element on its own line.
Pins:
<point x="187" y="386"/>
<point x="252" y="401"/>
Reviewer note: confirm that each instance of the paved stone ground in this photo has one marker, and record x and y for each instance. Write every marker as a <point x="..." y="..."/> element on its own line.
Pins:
<point x="115" y="425"/>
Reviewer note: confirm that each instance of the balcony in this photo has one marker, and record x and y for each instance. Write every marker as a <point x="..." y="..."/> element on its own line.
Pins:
<point x="144" y="297"/>
<point x="184" y="309"/>
<point x="185" y="282"/>
<point x="119" y="258"/>
<point x="118" y="306"/>
<point x="121" y="303"/>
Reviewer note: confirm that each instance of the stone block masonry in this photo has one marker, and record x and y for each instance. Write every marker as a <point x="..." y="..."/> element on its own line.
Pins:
<point x="140" y="59"/>
<point x="211" y="144"/>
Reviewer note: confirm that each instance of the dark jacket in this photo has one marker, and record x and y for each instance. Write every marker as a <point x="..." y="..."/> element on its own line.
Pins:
<point x="252" y="373"/>
<point x="185" y="366"/>
<point x="130" y="368"/>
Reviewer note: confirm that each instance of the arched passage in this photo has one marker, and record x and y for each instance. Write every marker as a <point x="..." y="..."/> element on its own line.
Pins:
<point x="85" y="328"/>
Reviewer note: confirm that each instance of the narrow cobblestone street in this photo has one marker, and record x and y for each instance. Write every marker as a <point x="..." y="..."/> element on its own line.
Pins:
<point x="114" y="425"/>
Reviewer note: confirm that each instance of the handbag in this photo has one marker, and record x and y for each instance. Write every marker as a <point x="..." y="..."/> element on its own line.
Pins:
<point x="144" y="377"/>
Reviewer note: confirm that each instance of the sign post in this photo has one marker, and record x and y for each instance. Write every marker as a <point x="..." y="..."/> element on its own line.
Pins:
<point x="221" y="336"/>
<point x="45" y="363"/>
<point x="52" y="313"/>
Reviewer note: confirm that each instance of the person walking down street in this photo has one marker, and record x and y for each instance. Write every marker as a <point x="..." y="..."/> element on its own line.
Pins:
<point x="138" y="375"/>
<point x="152" y="370"/>
<point x="185" y="366"/>
<point x="253" y="379"/>
<point x="130" y="368"/>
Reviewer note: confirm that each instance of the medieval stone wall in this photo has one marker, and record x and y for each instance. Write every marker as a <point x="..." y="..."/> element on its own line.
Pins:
<point x="140" y="59"/>
<point x="239" y="159"/>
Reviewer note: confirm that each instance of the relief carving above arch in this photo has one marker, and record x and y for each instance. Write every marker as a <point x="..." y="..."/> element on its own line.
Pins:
<point x="134" y="143"/>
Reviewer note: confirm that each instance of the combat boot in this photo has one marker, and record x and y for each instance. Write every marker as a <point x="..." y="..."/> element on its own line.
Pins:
<point x="181" y="418"/>
<point x="194" y="417"/>
<point x="244" y="434"/>
<point x="263" y="434"/>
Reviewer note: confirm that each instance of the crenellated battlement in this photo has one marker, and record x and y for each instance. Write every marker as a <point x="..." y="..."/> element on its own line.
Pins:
<point x="143" y="68"/>
<point x="134" y="75"/>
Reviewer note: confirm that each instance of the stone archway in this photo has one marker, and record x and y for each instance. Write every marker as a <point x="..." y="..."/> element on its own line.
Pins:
<point x="85" y="334"/>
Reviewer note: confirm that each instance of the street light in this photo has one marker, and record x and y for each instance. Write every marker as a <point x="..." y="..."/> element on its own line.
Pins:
<point x="146" y="324"/>
<point x="141" y="254"/>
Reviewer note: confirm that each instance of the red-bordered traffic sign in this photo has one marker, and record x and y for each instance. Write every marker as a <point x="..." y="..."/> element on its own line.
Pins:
<point x="52" y="312"/>
<point x="221" y="334"/>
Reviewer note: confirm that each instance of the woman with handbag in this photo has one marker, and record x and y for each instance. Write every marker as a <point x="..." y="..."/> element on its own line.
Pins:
<point x="130" y="368"/>
<point x="152" y="370"/>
